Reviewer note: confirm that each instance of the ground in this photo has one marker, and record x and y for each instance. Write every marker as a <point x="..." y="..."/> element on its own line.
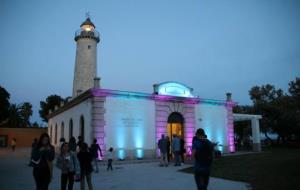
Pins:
<point x="274" y="168"/>
<point x="15" y="174"/>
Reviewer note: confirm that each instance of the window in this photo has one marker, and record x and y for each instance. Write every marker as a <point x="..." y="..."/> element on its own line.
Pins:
<point x="62" y="130"/>
<point x="55" y="135"/>
<point x="70" y="128"/>
<point x="89" y="46"/>
<point x="81" y="130"/>
<point x="51" y="134"/>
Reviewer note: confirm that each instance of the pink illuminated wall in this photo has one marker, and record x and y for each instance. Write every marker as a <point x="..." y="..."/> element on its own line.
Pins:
<point x="230" y="127"/>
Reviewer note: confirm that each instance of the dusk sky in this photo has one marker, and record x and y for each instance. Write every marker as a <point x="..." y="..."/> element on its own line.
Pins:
<point x="214" y="46"/>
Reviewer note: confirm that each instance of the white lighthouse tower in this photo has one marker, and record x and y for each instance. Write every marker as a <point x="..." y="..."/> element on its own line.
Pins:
<point x="86" y="57"/>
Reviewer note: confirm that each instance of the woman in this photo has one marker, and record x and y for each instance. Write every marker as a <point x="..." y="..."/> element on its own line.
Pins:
<point x="85" y="159"/>
<point x="69" y="165"/>
<point x="42" y="158"/>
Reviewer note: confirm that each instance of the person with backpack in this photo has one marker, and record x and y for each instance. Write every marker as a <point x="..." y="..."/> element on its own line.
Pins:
<point x="42" y="158"/>
<point x="94" y="151"/>
<point x="68" y="163"/>
<point x="203" y="156"/>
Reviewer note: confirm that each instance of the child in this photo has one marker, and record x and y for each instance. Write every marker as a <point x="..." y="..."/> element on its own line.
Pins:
<point x="13" y="144"/>
<point x="110" y="158"/>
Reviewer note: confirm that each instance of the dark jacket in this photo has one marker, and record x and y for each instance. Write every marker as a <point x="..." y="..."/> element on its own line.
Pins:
<point x="40" y="158"/>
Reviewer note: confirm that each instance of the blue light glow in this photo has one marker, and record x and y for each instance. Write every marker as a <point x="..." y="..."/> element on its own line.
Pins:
<point x="174" y="89"/>
<point x="121" y="154"/>
<point x="139" y="153"/>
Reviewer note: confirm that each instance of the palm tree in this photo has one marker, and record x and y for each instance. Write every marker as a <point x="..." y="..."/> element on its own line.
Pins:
<point x="14" y="116"/>
<point x="26" y="111"/>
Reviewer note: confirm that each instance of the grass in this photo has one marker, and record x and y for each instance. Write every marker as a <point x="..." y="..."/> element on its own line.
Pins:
<point x="273" y="169"/>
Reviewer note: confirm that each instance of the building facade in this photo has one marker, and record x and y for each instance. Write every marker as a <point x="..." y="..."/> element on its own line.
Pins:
<point x="133" y="122"/>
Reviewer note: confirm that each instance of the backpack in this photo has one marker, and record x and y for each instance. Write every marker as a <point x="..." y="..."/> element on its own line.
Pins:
<point x="204" y="153"/>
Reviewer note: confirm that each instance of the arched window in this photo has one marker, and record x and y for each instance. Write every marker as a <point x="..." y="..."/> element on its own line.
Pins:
<point x="81" y="129"/>
<point x="62" y="130"/>
<point x="70" y="128"/>
<point x="55" y="134"/>
<point x="51" y="134"/>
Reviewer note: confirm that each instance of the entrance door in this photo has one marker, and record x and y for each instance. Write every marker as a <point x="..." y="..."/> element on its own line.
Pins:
<point x="175" y="125"/>
<point x="175" y="129"/>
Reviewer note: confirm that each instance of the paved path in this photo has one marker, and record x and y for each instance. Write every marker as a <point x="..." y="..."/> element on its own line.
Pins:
<point x="15" y="174"/>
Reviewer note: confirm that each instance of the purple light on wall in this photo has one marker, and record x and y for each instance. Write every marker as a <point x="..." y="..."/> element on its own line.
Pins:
<point x="230" y="128"/>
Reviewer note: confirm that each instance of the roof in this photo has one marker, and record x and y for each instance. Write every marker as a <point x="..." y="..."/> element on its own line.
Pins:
<point x="88" y="22"/>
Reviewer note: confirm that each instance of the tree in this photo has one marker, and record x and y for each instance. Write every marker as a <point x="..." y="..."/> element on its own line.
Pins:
<point x="49" y="104"/>
<point x="294" y="90"/>
<point x="14" y="116"/>
<point x="263" y="98"/>
<point x="4" y="103"/>
<point x="26" y="111"/>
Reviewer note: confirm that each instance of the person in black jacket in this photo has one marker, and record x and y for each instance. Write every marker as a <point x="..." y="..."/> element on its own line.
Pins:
<point x="85" y="159"/>
<point x="94" y="151"/>
<point x="42" y="158"/>
<point x="203" y="157"/>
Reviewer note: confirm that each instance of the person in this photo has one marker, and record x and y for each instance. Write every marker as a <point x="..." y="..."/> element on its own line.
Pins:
<point x="72" y="144"/>
<point x="69" y="165"/>
<point x="176" y="149"/>
<point x="182" y="149"/>
<point x="33" y="146"/>
<point x="61" y="142"/>
<point x="79" y="142"/>
<point x="202" y="153"/>
<point x="163" y="147"/>
<point x="85" y="159"/>
<point x="168" y="148"/>
<point x="42" y="158"/>
<point x="13" y="144"/>
<point x="94" y="150"/>
<point x="110" y="156"/>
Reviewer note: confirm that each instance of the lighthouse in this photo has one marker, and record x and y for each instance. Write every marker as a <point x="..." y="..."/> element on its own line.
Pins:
<point x="85" y="74"/>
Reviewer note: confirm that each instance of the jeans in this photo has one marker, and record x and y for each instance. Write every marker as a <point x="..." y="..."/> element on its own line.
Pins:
<point x="109" y="164"/>
<point x="67" y="178"/>
<point x="88" y="178"/>
<point x="202" y="179"/>
<point x="164" y="159"/>
<point x="95" y="160"/>
<point x="177" y="159"/>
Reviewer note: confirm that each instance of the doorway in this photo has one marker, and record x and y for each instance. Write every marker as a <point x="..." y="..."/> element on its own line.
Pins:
<point x="175" y="125"/>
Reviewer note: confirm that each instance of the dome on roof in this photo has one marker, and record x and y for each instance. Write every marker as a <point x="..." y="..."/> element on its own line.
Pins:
<point x="173" y="89"/>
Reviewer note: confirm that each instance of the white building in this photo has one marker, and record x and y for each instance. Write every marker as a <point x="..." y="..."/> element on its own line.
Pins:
<point x="132" y="122"/>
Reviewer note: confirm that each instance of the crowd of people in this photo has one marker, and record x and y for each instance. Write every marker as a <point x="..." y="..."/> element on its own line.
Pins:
<point x="75" y="160"/>
<point x="174" y="148"/>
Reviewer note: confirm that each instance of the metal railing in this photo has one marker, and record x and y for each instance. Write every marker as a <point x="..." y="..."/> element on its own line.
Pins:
<point x="87" y="34"/>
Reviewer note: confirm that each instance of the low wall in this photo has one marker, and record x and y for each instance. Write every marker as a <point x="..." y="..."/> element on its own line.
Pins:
<point x="24" y="136"/>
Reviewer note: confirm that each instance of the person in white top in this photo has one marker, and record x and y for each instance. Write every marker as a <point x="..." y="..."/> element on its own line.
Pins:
<point x="109" y="156"/>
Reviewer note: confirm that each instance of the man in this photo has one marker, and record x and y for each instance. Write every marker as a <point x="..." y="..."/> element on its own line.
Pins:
<point x="182" y="149"/>
<point x="176" y="149"/>
<point x="203" y="156"/>
<point x="163" y="147"/>
<point x="94" y="150"/>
